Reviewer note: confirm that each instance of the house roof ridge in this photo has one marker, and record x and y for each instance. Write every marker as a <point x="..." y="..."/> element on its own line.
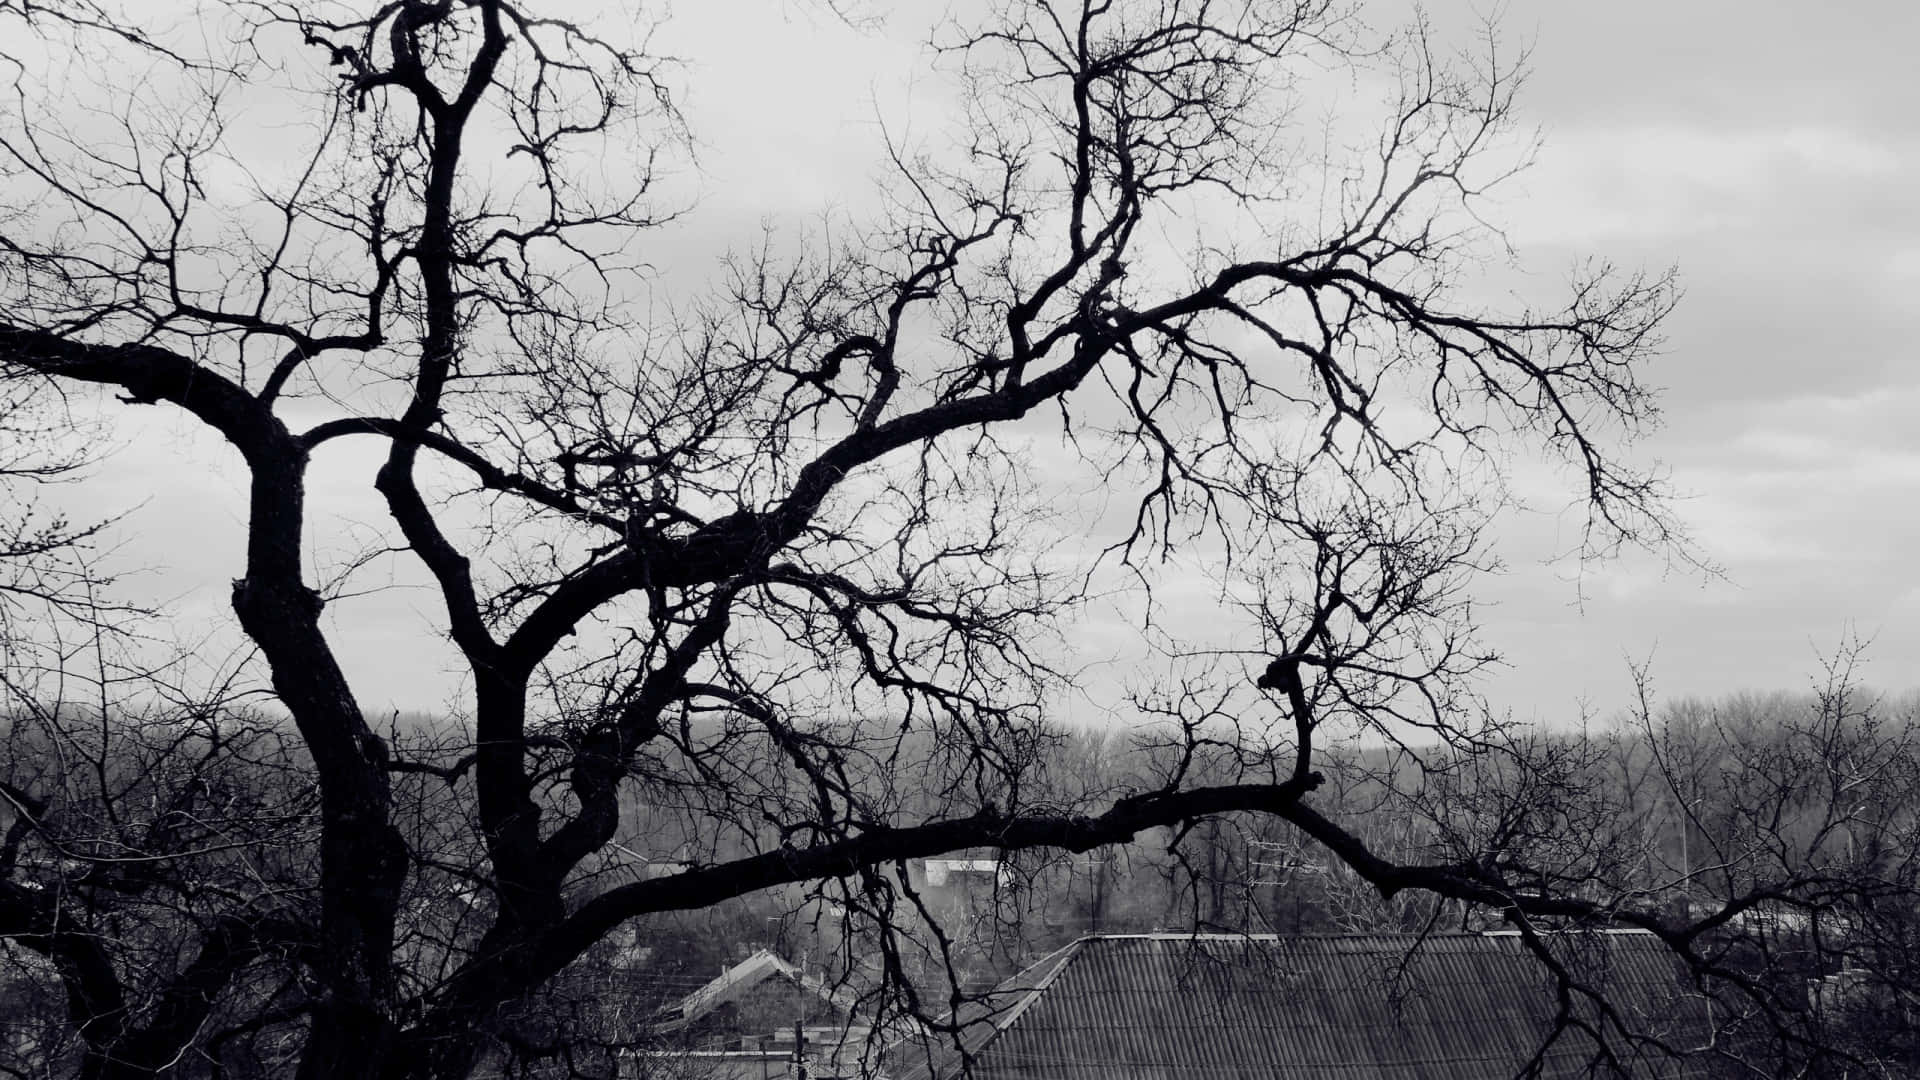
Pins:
<point x="1031" y="994"/>
<point x="1228" y="935"/>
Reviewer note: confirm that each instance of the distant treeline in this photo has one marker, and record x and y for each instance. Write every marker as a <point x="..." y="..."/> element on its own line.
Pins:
<point x="1789" y="822"/>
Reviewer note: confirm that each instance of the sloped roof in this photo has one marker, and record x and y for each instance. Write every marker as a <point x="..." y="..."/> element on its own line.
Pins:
<point x="738" y="980"/>
<point x="1264" y="1007"/>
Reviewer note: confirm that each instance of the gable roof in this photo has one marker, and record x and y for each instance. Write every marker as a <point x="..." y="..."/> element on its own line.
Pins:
<point x="1264" y="1007"/>
<point x="741" y="979"/>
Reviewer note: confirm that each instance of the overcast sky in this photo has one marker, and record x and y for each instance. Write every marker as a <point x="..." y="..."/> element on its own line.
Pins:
<point x="1770" y="150"/>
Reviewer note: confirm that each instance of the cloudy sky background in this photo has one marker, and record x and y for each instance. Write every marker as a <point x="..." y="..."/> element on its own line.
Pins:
<point x="1769" y="150"/>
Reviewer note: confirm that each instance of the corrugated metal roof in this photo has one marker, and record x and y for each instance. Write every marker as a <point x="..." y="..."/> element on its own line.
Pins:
<point x="1262" y="1007"/>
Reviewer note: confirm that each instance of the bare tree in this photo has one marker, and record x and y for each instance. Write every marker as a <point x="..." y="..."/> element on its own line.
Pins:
<point x="775" y="566"/>
<point x="1767" y="839"/>
<point x="1793" y="862"/>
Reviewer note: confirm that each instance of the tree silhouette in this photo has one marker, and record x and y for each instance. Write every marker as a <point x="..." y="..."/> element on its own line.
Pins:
<point x="777" y="565"/>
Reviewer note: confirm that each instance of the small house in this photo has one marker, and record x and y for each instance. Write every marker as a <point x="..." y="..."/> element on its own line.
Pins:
<point x="761" y="998"/>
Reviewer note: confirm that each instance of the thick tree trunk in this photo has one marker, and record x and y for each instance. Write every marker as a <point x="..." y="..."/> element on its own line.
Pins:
<point x="346" y="1039"/>
<point x="363" y="859"/>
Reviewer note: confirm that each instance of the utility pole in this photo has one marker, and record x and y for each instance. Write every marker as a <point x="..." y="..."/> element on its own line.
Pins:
<point x="800" y="1015"/>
